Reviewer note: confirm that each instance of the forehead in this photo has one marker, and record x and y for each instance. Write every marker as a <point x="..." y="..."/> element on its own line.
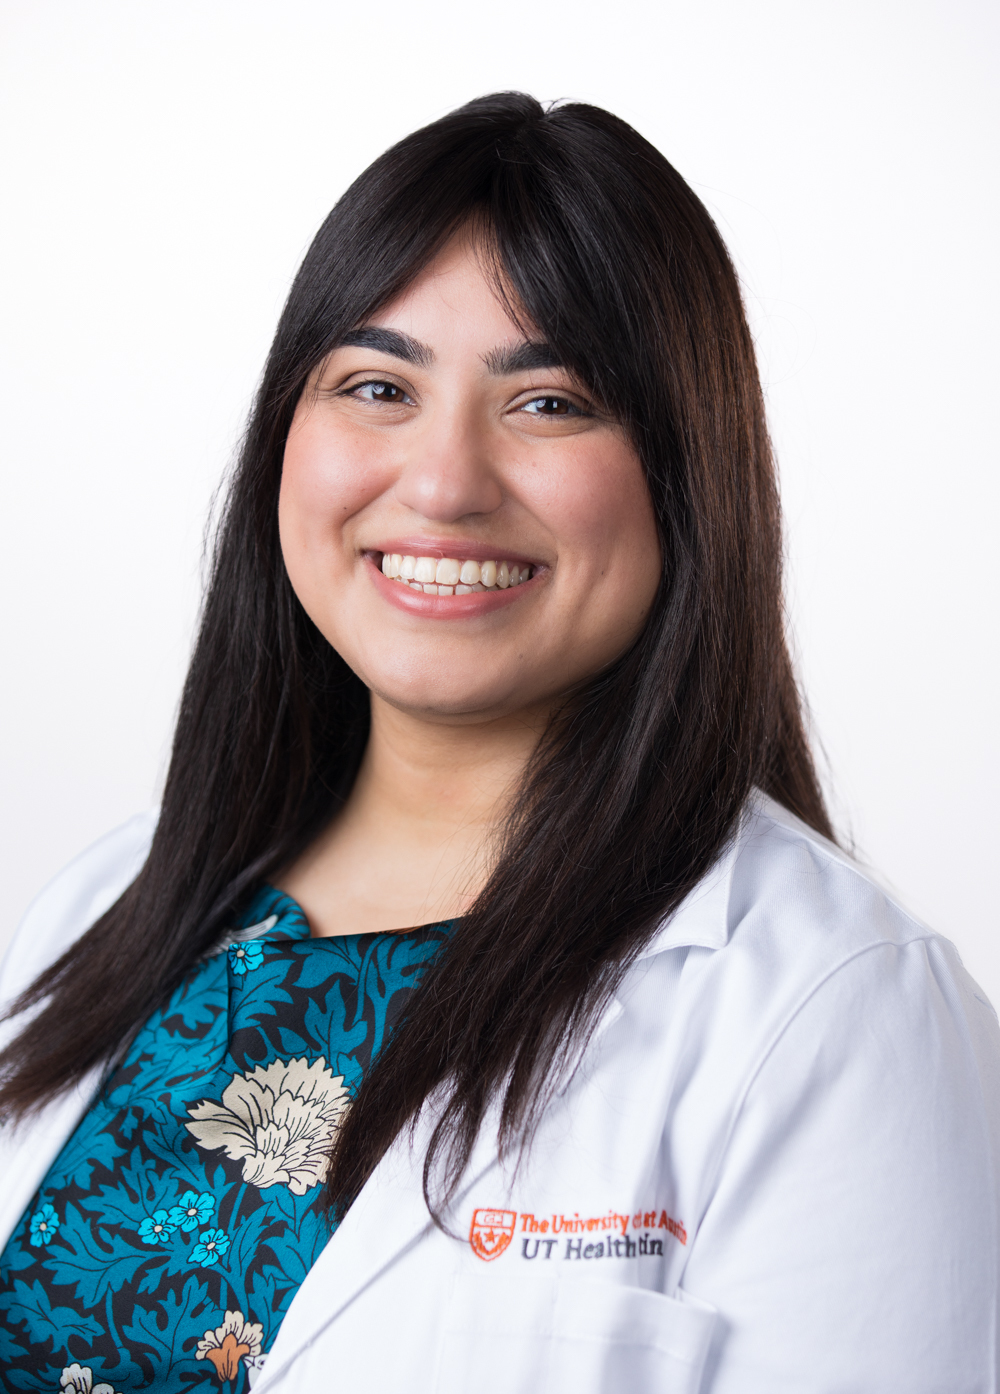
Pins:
<point x="455" y="301"/>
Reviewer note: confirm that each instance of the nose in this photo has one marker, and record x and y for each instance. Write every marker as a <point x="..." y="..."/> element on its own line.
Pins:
<point x="448" y="474"/>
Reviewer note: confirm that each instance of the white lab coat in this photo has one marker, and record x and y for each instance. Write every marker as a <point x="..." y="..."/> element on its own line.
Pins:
<point x="774" y="1171"/>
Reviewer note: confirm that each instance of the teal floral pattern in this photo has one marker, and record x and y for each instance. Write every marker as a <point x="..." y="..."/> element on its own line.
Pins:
<point x="43" y="1226"/>
<point x="213" y="1245"/>
<point x="192" y="1211"/>
<point x="156" y="1229"/>
<point x="175" y="1227"/>
<point x="244" y="958"/>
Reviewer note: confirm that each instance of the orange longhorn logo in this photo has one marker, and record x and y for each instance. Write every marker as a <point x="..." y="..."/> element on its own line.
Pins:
<point x="490" y="1232"/>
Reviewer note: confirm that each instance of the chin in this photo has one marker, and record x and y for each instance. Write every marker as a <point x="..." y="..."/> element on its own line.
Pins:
<point x="441" y="699"/>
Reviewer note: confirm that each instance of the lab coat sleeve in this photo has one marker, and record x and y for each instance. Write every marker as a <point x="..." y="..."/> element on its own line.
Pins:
<point x="850" y="1240"/>
<point x="70" y="904"/>
<point x="56" y="918"/>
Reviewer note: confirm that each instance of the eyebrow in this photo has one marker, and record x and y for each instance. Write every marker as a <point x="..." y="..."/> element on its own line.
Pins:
<point x="391" y="341"/>
<point x="516" y="358"/>
<point x="511" y="358"/>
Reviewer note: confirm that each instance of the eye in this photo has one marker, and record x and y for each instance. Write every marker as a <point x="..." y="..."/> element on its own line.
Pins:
<point x="551" y="406"/>
<point x="379" y="391"/>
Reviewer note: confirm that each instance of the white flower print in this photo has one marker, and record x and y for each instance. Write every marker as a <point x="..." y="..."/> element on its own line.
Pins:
<point x="79" y="1379"/>
<point x="279" y="1120"/>
<point x="225" y="1346"/>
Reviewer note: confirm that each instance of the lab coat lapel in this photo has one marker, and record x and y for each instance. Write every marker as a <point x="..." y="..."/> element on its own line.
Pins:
<point x="388" y="1217"/>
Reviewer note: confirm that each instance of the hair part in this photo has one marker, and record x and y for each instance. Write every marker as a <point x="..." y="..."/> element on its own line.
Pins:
<point x="602" y="247"/>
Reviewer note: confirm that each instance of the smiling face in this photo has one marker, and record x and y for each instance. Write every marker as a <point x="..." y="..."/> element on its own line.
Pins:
<point x="457" y="517"/>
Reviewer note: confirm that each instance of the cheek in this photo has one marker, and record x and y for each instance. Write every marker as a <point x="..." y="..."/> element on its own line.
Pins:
<point x="599" y="508"/>
<point x="325" y="480"/>
<point x="319" y="474"/>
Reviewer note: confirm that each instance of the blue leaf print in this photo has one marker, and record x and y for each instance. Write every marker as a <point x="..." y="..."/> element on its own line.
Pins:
<point x="44" y="1224"/>
<point x="20" y="1256"/>
<point x="42" y="1321"/>
<point x="157" y="1228"/>
<point x="265" y="989"/>
<point x="193" y="1013"/>
<point x="131" y="1120"/>
<point x="270" y="1299"/>
<point x="250" y="1235"/>
<point x="138" y="1189"/>
<point x="89" y="1148"/>
<point x="96" y="1266"/>
<point x="192" y="1210"/>
<point x="171" y="1146"/>
<point x="211" y="1246"/>
<point x="283" y="1204"/>
<point x="331" y="1023"/>
<point x="114" y="1205"/>
<point x="22" y="1379"/>
<point x="296" y="1263"/>
<point x="176" y="1042"/>
<point x="152" y="1280"/>
<point x="168" y="1263"/>
<point x="167" y="1330"/>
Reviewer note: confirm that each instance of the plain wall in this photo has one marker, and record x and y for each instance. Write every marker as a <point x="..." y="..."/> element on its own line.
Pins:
<point x="163" y="169"/>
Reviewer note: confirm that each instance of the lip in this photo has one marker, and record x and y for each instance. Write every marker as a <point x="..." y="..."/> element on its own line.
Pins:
<point x="446" y="607"/>
<point x="459" y="548"/>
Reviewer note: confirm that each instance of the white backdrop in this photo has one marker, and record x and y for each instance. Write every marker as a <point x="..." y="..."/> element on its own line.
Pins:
<point x="163" y="169"/>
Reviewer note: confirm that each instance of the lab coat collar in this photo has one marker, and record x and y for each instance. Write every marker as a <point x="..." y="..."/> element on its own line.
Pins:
<point x="702" y="918"/>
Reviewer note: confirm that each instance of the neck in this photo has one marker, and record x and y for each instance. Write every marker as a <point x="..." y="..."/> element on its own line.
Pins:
<point x="443" y="777"/>
<point x="413" y="843"/>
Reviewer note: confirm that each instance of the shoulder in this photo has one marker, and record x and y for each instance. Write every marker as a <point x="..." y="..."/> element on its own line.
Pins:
<point x="820" y="920"/>
<point x="790" y="939"/>
<point x="858" y="964"/>
<point x="804" y="903"/>
<point x="70" y="903"/>
<point x="839" y="1118"/>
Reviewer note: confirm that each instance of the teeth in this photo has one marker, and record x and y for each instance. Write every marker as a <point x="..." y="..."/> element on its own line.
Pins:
<point x="449" y="576"/>
<point x="449" y="572"/>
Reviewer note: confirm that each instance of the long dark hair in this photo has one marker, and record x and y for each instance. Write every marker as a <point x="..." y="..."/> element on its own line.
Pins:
<point x="601" y="246"/>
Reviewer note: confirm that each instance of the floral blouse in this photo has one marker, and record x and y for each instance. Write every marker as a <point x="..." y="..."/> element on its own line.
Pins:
<point x="175" y="1227"/>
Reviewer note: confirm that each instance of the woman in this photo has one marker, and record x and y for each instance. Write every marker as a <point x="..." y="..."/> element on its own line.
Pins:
<point x="489" y="1006"/>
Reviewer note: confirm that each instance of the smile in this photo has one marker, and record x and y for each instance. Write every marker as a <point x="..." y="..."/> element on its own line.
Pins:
<point x="452" y="576"/>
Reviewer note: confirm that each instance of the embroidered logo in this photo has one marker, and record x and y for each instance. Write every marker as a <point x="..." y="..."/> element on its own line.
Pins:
<point x="490" y="1232"/>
